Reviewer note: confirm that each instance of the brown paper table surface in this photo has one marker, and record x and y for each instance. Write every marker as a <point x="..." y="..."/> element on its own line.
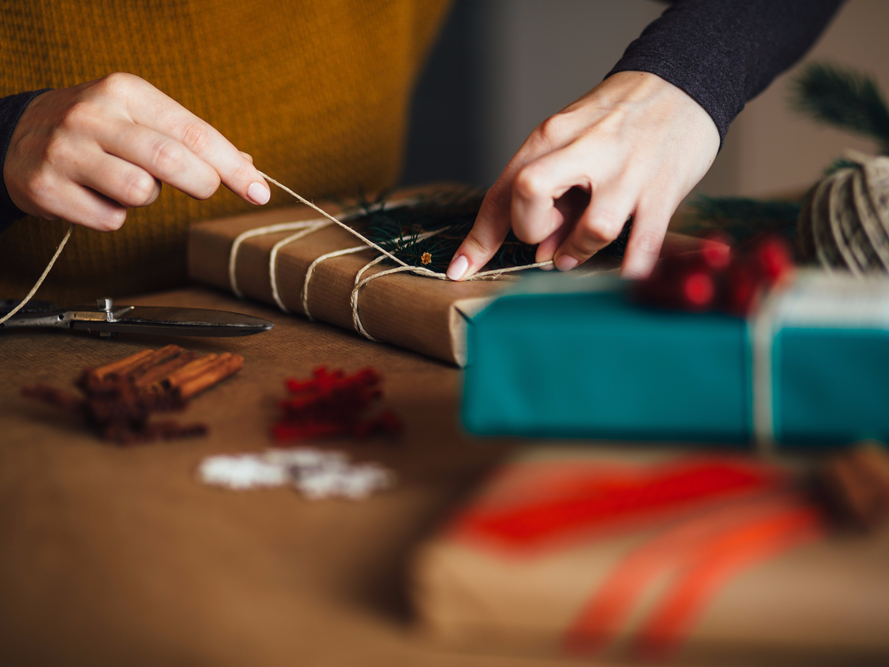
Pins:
<point x="118" y="556"/>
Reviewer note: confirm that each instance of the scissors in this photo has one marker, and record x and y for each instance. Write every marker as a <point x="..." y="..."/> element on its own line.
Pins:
<point x="107" y="318"/>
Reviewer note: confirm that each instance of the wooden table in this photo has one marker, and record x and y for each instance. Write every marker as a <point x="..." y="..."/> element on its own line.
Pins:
<point x="119" y="556"/>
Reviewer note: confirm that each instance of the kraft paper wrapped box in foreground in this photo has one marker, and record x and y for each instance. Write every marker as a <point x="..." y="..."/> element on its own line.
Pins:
<point x="581" y="359"/>
<point x="652" y="554"/>
<point x="418" y="313"/>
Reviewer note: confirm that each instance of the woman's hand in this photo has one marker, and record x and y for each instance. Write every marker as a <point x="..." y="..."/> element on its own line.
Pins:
<point x="633" y="146"/>
<point x="88" y="153"/>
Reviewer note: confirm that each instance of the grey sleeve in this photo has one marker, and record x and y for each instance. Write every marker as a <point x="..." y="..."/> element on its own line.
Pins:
<point x="725" y="52"/>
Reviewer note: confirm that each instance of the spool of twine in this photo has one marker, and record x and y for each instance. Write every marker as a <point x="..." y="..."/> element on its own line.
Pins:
<point x="844" y="222"/>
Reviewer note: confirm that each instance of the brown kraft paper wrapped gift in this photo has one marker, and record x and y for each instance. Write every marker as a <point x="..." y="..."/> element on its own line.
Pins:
<point x="695" y="557"/>
<point x="422" y="314"/>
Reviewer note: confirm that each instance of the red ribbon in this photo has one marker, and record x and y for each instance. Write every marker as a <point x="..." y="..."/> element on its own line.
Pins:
<point x="715" y="566"/>
<point x="619" y="498"/>
<point x="718" y="518"/>
<point x="700" y="556"/>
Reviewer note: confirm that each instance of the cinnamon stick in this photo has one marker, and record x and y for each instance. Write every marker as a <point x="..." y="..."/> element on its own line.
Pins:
<point x="119" y="398"/>
<point x="225" y="365"/>
<point x="158" y="357"/>
<point x="136" y="362"/>
<point x="115" y="366"/>
<point x="159" y="372"/>
<point x="191" y="369"/>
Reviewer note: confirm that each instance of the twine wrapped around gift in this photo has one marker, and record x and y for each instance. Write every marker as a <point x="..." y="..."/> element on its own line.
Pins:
<point x="303" y="228"/>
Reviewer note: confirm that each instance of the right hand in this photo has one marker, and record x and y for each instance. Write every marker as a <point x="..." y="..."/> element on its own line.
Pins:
<point x="87" y="153"/>
<point x="635" y="145"/>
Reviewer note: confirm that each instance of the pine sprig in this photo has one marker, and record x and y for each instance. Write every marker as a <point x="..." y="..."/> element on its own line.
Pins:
<point x="844" y="98"/>
<point x="837" y="96"/>
<point x="426" y="232"/>
<point x="409" y="231"/>
<point x="839" y="164"/>
<point x="741" y="218"/>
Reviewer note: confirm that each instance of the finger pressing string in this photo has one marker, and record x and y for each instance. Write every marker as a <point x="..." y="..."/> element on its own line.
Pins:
<point x="310" y="226"/>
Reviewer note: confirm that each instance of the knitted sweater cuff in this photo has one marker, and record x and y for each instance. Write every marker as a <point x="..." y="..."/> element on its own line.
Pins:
<point x="11" y="109"/>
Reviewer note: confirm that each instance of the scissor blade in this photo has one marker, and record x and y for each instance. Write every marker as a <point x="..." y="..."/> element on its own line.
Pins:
<point x="175" y="321"/>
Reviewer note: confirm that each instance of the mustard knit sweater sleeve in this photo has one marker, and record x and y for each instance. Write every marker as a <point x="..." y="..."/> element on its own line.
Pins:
<point x="316" y="92"/>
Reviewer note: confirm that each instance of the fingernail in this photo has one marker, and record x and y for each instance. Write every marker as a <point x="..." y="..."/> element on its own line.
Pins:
<point x="566" y="263"/>
<point x="259" y="193"/>
<point x="458" y="267"/>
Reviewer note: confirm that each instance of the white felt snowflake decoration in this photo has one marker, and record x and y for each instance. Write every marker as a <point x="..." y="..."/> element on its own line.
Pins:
<point x="315" y="473"/>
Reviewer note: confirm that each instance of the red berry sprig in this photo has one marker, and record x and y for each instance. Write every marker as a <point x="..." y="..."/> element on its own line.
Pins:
<point x="332" y="403"/>
<point x="717" y="277"/>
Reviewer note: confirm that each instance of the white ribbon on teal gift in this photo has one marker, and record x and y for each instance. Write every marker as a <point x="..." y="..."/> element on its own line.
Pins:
<point x="811" y="299"/>
<point x="761" y="332"/>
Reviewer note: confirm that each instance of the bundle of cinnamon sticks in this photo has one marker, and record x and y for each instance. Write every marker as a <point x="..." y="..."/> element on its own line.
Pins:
<point x="170" y="371"/>
<point x="119" y="398"/>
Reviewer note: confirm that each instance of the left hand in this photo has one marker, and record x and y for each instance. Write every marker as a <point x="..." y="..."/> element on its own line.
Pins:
<point x="88" y="153"/>
<point x="633" y="146"/>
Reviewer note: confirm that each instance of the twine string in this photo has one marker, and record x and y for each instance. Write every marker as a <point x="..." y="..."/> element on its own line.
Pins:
<point x="327" y="215"/>
<point x="259" y="231"/>
<point x="308" y="227"/>
<point x="42" y="277"/>
<point x="273" y="256"/>
<point x="311" y="270"/>
<point x="304" y="228"/>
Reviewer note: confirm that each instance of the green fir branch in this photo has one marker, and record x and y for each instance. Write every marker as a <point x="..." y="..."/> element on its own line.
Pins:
<point x="845" y="98"/>
<point x="401" y="230"/>
<point x="839" y="164"/>
<point x="741" y="218"/>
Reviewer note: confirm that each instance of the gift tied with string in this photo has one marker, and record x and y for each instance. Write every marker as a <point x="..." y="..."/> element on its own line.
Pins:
<point x="634" y="553"/>
<point x="377" y="269"/>
<point x="722" y="346"/>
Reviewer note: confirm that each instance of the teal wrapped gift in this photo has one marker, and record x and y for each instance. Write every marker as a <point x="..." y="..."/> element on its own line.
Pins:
<point x="575" y="357"/>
